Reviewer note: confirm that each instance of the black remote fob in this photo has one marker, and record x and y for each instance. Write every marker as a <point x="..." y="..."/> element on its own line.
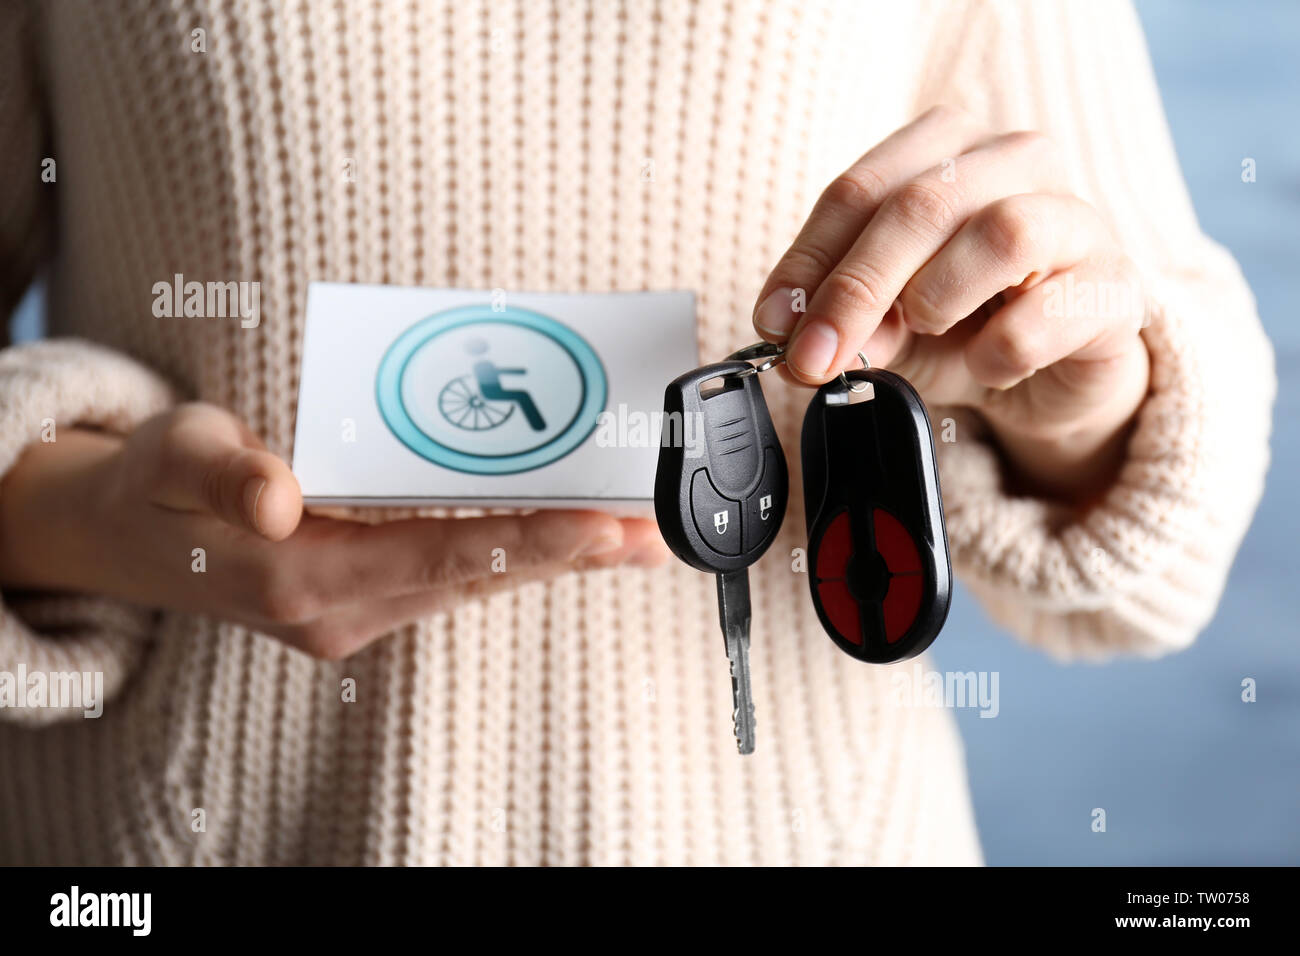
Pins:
<point x="721" y="486"/>
<point x="720" y="496"/>
<point x="878" y="563"/>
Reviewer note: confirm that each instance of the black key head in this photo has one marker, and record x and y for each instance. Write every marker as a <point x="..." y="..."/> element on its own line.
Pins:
<point x="878" y="563"/>
<point x="721" y="485"/>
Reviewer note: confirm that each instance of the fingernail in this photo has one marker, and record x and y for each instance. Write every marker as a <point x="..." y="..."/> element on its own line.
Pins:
<point x="814" y="349"/>
<point x="651" y="556"/>
<point x="775" y="315"/>
<point x="252" y="496"/>
<point x="603" y="544"/>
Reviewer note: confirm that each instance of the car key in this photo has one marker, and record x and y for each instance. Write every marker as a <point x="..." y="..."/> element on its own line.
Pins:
<point x="721" y="498"/>
<point x="878" y="562"/>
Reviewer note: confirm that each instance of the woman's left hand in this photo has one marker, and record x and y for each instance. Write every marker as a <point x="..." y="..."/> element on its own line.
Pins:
<point x="961" y="260"/>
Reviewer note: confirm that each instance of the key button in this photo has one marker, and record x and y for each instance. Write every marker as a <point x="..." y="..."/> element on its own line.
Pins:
<point x="765" y="507"/>
<point x="716" y="518"/>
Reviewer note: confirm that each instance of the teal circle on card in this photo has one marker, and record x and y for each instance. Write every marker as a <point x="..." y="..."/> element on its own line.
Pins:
<point x="490" y="392"/>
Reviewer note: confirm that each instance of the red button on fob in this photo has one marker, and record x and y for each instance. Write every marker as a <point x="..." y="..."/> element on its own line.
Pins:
<point x="879" y="569"/>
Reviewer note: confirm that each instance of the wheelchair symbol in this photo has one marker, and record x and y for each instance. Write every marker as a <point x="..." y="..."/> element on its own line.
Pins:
<point x="462" y="404"/>
<point x="479" y="402"/>
<point x="487" y="392"/>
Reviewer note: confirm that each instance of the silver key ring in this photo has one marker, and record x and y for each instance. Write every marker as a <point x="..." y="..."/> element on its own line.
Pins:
<point x="770" y="353"/>
<point x="857" y="386"/>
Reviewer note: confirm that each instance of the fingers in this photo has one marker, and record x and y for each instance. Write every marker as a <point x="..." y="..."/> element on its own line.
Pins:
<point x="912" y="224"/>
<point x="209" y="463"/>
<point x="336" y="618"/>
<point x="404" y="557"/>
<point x="1011" y="243"/>
<point x="847" y="205"/>
<point x="1085" y="315"/>
<point x="643" y="547"/>
<point x="349" y="629"/>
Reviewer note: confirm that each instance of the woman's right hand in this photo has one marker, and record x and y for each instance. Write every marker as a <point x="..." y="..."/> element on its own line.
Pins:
<point x="124" y="517"/>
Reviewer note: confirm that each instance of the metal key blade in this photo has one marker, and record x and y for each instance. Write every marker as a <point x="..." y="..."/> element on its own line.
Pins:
<point x="734" y="615"/>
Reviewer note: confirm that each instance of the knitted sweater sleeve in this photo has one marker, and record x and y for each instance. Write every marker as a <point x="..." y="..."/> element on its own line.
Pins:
<point x="1143" y="570"/>
<point x="45" y="388"/>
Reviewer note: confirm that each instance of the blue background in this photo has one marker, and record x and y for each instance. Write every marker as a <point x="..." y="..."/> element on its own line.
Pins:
<point x="1187" y="773"/>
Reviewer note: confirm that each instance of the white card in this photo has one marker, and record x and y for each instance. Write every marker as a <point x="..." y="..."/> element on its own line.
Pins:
<point x="450" y="397"/>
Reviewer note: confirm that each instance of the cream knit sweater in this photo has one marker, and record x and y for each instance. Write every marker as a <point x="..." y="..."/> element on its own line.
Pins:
<point x="557" y="146"/>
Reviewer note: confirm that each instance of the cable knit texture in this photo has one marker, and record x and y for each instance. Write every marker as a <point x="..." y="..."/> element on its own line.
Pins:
<point x="557" y="146"/>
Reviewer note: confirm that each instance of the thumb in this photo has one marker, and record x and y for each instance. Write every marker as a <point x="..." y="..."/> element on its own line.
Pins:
<point x="210" y="463"/>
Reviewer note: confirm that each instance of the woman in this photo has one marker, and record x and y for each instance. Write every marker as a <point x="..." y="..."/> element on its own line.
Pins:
<point x="332" y="692"/>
